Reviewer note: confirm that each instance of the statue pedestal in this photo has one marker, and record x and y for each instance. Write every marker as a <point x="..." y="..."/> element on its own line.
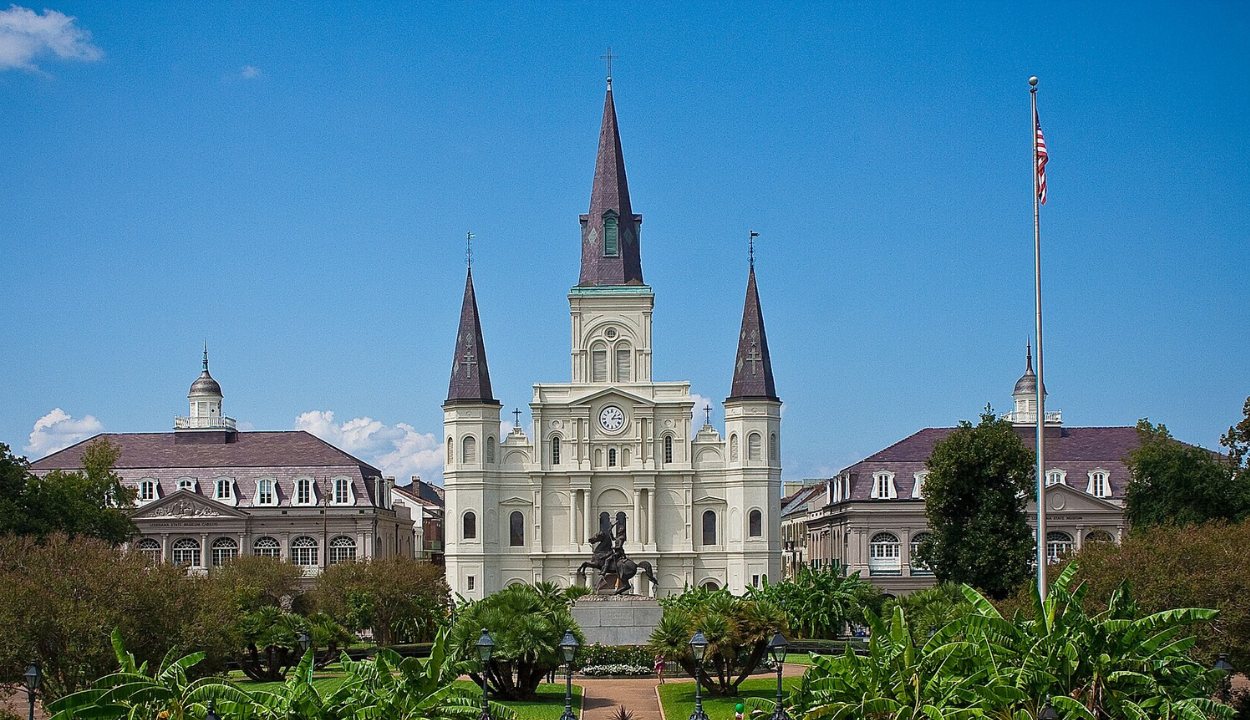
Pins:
<point x="617" y="619"/>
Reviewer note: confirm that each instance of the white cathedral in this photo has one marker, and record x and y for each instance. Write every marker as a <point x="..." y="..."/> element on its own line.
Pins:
<point x="612" y="445"/>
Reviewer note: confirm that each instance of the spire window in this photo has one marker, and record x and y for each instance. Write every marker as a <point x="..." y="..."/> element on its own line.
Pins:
<point x="611" y="241"/>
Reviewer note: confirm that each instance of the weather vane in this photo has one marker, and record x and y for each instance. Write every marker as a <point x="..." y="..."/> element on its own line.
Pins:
<point x="751" y="246"/>
<point x="468" y="249"/>
<point x="609" y="58"/>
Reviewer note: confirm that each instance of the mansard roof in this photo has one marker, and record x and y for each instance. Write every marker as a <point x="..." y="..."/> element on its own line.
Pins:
<point x="753" y="367"/>
<point x="1075" y="450"/>
<point x="609" y="195"/>
<point x="470" y="377"/>
<point x="284" y="448"/>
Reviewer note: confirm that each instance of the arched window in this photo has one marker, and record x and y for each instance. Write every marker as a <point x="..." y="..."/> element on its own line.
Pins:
<point x="885" y="554"/>
<point x="147" y="491"/>
<point x="187" y="552"/>
<point x="224" y="550"/>
<point x="264" y="492"/>
<point x="267" y="547"/>
<point x="668" y="448"/>
<point x="917" y="566"/>
<point x="342" y="549"/>
<point x="733" y="448"/>
<point x="490" y="448"/>
<point x="150" y="548"/>
<point x="605" y="523"/>
<point x="753" y="446"/>
<point x="755" y="524"/>
<point x="304" y="551"/>
<point x="709" y="527"/>
<point x="773" y="452"/>
<point x="1098" y="485"/>
<point x="611" y="242"/>
<point x="1058" y="544"/>
<point x="469" y="530"/>
<point x="1056" y="477"/>
<point x="342" y="491"/>
<point x="555" y="451"/>
<point x="468" y="449"/>
<point x="622" y="526"/>
<point x="1098" y="536"/>
<point x="623" y="355"/>
<point x="516" y="529"/>
<point x="304" y="491"/>
<point x="187" y="484"/>
<point x="450" y="452"/>
<point x="711" y="585"/>
<point x="611" y="457"/>
<point x="599" y="363"/>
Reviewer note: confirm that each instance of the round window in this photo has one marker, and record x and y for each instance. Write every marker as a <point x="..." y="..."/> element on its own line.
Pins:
<point x="610" y="333"/>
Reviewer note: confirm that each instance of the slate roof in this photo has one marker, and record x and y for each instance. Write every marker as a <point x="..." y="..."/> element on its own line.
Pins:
<point x="753" y="367"/>
<point x="610" y="192"/>
<point x="1077" y="450"/>
<point x="799" y="501"/>
<point x="470" y="378"/>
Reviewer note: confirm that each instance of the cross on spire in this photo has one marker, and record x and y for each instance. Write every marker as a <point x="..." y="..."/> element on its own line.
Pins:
<point x="609" y="58"/>
<point x="753" y="356"/>
<point x="707" y="414"/>
<point x="751" y="246"/>
<point x="516" y="418"/>
<point x="468" y="362"/>
<point x="468" y="249"/>
<point x="205" y="356"/>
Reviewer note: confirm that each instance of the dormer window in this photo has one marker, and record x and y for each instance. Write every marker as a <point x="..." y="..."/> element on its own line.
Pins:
<point x="1099" y="484"/>
<point x="147" y="490"/>
<point x="264" y="492"/>
<point x="611" y="241"/>
<point x="304" y="492"/>
<point x="917" y="490"/>
<point x="187" y="484"/>
<point x="343" y="491"/>
<point x="223" y="489"/>
<point x="883" y="486"/>
<point x="1056" y="477"/>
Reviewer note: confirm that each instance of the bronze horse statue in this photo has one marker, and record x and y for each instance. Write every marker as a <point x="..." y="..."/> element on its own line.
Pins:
<point x="610" y="559"/>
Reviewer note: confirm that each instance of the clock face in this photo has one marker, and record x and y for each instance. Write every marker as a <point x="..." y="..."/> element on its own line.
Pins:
<point x="612" y="419"/>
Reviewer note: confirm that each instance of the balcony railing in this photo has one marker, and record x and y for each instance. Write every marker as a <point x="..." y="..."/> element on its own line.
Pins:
<point x="204" y="423"/>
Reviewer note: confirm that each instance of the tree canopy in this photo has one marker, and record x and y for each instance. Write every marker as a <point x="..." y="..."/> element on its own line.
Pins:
<point x="91" y="502"/>
<point x="1176" y="483"/>
<point x="980" y="479"/>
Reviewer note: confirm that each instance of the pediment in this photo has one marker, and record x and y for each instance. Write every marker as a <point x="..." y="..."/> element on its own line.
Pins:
<point x="516" y="500"/>
<point x="1067" y="499"/>
<point x="708" y="499"/>
<point x="186" y="504"/>
<point x="626" y="398"/>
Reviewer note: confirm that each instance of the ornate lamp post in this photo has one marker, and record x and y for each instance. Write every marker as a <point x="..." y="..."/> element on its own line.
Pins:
<point x="485" y="646"/>
<point x="1048" y="712"/>
<point x="569" y="646"/>
<point x="698" y="647"/>
<point x="33" y="677"/>
<point x="305" y="642"/>
<point x="210" y="712"/>
<point x="777" y="649"/>
<point x="1222" y="664"/>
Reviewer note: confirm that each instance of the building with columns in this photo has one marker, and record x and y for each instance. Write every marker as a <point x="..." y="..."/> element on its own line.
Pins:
<point x="207" y="492"/>
<point x="873" y="516"/>
<point x="612" y="445"/>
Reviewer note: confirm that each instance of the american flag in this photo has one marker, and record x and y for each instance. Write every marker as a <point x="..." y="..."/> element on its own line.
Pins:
<point x="1041" y="158"/>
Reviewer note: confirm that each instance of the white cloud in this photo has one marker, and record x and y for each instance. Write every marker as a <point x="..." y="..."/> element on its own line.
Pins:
<point x="397" y="450"/>
<point x="58" y="430"/>
<point x="250" y="71"/>
<point x="26" y="34"/>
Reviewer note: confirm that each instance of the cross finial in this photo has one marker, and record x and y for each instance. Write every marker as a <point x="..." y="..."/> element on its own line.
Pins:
<point x="468" y="249"/>
<point x="609" y="58"/>
<point x="751" y="247"/>
<point x="205" y="356"/>
<point x="707" y="414"/>
<point x="516" y="418"/>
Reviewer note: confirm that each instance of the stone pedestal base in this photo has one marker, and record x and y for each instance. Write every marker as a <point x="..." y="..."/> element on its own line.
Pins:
<point x="617" y="619"/>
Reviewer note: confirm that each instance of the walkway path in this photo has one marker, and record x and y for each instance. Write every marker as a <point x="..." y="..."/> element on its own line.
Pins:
<point x="602" y="696"/>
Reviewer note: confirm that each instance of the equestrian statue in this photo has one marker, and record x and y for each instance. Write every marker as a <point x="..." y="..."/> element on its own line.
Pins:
<point x="609" y="558"/>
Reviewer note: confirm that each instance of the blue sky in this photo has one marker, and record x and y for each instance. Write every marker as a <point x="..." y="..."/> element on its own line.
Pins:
<point x="293" y="184"/>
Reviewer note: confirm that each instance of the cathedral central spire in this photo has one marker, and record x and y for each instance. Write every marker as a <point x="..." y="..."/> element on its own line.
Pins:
<point x="610" y="248"/>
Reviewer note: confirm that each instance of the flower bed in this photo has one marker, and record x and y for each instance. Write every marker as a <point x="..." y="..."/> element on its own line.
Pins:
<point x="615" y="669"/>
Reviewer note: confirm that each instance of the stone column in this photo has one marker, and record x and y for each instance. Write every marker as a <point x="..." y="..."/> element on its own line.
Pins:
<point x="637" y="529"/>
<point x="205" y="557"/>
<point x="651" y="516"/>
<point x="165" y="547"/>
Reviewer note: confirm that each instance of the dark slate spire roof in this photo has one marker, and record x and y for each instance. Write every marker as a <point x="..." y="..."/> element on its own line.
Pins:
<point x="205" y="384"/>
<point x="1027" y="384"/>
<point x="753" y="369"/>
<point x="609" y="197"/>
<point x="470" y="378"/>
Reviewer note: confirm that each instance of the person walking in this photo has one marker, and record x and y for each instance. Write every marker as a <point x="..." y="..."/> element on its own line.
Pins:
<point x="659" y="668"/>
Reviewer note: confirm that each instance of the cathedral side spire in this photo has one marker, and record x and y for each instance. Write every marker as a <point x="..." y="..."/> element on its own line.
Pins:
<point x="753" y="368"/>
<point x="470" y="378"/>
<point x="610" y="231"/>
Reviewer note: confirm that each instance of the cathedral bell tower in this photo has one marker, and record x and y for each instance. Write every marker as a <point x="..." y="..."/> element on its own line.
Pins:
<point x="471" y="434"/>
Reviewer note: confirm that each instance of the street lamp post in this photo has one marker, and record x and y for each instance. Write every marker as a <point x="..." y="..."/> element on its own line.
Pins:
<point x="210" y="712"/>
<point x="305" y="642"/>
<point x="1048" y="712"/>
<point x="485" y="646"/>
<point x="698" y="647"/>
<point x="569" y="646"/>
<point x="1222" y="664"/>
<point x="33" y="677"/>
<point x="777" y="648"/>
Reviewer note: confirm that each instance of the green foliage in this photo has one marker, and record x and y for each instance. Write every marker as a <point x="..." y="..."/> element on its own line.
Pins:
<point x="398" y="598"/>
<point x="979" y="481"/>
<point x="91" y="502"/>
<point x="931" y="609"/>
<point x="1113" y="664"/>
<point x="820" y="602"/>
<point x="1175" y="483"/>
<point x="60" y="599"/>
<point x="600" y="655"/>
<point x="737" y="630"/>
<point x="527" y="623"/>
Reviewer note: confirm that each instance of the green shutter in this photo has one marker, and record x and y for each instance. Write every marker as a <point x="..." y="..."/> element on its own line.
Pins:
<point x="610" y="244"/>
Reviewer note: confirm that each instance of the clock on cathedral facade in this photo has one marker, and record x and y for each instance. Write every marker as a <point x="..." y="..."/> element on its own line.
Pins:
<point x="612" y="445"/>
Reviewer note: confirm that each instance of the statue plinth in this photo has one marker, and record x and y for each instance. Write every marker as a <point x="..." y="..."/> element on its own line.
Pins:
<point x="610" y="619"/>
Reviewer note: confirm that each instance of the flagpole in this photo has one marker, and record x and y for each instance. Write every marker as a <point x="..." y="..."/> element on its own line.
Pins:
<point x="1041" y="385"/>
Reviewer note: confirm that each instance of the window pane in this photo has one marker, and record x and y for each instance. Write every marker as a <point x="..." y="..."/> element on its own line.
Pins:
<point x="470" y="526"/>
<point x="516" y="529"/>
<point x="709" y="527"/>
<point x="599" y="365"/>
<point x="756" y="524"/>
<point x="622" y="365"/>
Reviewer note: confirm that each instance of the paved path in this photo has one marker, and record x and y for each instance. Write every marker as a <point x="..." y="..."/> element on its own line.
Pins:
<point x="602" y="696"/>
